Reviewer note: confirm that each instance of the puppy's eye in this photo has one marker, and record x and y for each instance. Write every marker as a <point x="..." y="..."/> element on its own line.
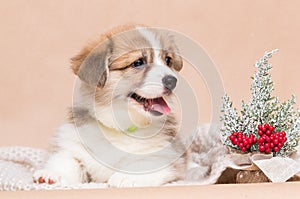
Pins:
<point x="168" y="60"/>
<point x="138" y="63"/>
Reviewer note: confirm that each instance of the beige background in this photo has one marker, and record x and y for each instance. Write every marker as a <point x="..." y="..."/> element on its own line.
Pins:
<point x="37" y="38"/>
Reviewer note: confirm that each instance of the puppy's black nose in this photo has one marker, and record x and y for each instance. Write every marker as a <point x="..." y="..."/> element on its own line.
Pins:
<point x="169" y="82"/>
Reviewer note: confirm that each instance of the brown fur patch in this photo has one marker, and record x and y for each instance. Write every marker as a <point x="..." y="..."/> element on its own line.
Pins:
<point x="170" y="50"/>
<point x="180" y="166"/>
<point x="79" y="116"/>
<point x="77" y="60"/>
<point x="85" y="175"/>
<point x="127" y="59"/>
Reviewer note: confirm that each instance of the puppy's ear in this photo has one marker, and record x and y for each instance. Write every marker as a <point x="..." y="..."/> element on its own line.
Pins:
<point x="91" y="64"/>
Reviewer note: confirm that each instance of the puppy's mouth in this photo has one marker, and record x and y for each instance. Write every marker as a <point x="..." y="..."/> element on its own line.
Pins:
<point x="156" y="106"/>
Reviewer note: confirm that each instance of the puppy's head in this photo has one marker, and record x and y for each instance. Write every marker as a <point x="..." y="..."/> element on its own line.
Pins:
<point x="133" y="65"/>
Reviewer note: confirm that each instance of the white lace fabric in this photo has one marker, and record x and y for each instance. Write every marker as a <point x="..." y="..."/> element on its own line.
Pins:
<point x="17" y="165"/>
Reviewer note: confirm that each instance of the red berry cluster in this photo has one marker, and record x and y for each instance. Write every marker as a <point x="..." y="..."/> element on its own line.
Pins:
<point x="242" y="141"/>
<point x="270" y="141"/>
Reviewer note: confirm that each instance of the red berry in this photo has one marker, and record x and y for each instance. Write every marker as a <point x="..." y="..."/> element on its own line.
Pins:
<point x="284" y="139"/>
<point x="268" y="133"/>
<point x="259" y="127"/>
<point x="261" y="140"/>
<point x="245" y="142"/>
<point x="279" y="145"/>
<point x="268" y="150"/>
<point x="231" y="137"/>
<point x="271" y="145"/>
<point x="261" y="148"/>
<point x="277" y="133"/>
<point x="254" y="140"/>
<point x="240" y="139"/>
<point x="250" y="140"/>
<point x="280" y="139"/>
<point x="283" y="133"/>
<point x="248" y="146"/>
<point x="276" y="149"/>
<point x="241" y="145"/>
<point x="251" y="136"/>
<point x="234" y="134"/>
<point x="263" y="129"/>
<point x="267" y="146"/>
<point x="271" y="128"/>
<point x="240" y="134"/>
<point x="275" y="142"/>
<point x="266" y="126"/>
<point x="260" y="132"/>
<point x="268" y="139"/>
<point x="244" y="149"/>
<point x="235" y="141"/>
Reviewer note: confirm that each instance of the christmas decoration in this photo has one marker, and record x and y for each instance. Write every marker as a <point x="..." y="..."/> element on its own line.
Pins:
<point x="264" y="125"/>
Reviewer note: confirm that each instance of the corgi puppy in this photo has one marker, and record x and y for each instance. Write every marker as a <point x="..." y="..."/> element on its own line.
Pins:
<point x="122" y="127"/>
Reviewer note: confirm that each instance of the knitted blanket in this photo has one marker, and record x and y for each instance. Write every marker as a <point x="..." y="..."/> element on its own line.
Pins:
<point x="17" y="165"/>
<point x="210" y="160"/>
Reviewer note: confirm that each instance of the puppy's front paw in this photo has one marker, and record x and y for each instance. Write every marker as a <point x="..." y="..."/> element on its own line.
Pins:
<point x="129" y="180"/>
<point x="122" y="180"/>
<point x="47" y="176"/>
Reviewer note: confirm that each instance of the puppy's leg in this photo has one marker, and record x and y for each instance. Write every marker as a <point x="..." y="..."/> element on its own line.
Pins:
<point x="62" y="168"/>
<point x="174" y="171"/>
<point x="141" y="180"/>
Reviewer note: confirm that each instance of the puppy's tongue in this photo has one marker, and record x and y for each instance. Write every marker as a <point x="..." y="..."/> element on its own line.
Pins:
<point x="159" y="105"/>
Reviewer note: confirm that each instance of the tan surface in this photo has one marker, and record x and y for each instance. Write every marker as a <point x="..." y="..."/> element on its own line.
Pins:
<point x="37" y="38"/>
<point x="257" y="191"/>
